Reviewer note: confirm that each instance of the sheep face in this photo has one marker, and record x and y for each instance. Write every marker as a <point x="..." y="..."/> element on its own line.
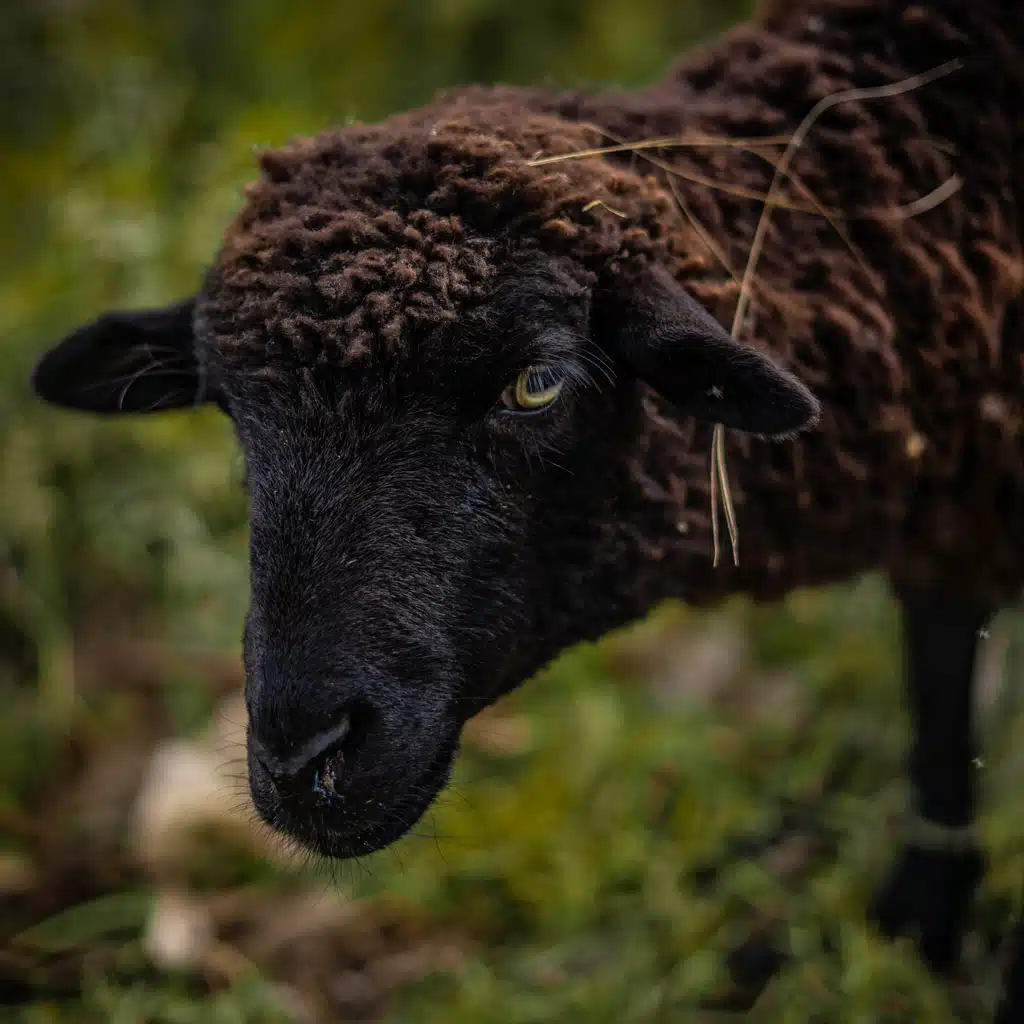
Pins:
<point x="404" y="529"/>
<point x="435" y="481"/>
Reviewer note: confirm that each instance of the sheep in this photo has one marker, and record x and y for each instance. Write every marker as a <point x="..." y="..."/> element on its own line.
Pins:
<point x="474" y="368"/>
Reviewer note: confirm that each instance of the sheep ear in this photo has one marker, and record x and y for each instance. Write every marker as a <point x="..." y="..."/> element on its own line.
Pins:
<point x="673" y="344"/>
<point x="126" y="362"/>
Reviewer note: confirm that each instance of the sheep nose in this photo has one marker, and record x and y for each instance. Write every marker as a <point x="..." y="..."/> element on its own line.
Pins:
<point x="316" y="763"/>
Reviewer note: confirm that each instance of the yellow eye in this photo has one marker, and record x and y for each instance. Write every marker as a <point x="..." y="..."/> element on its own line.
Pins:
<point x="533" y="389"/>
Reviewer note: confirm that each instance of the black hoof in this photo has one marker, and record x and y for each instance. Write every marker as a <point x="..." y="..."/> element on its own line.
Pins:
<point x="751" y="966"/>
<point x="927" y="897"/>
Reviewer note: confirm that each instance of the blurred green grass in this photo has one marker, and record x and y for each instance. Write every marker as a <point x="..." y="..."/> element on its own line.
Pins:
<point x="597" y="855"/>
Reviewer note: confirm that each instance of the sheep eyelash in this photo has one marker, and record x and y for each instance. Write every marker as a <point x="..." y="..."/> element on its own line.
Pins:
<point x="574" y="376"/>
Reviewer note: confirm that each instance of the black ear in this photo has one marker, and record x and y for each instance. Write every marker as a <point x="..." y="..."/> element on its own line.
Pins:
<point x="673" y="344"/>
<point x="126" y="362"/>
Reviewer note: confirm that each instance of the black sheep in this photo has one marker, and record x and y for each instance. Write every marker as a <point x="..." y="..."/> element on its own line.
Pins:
<point x="474" y="387"/>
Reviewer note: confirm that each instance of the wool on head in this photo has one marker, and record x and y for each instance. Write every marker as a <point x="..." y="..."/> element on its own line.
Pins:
<point x="367" y="239"/>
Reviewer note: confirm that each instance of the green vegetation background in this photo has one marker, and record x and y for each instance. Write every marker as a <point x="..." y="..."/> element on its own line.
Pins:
<point x="589" y="862"/>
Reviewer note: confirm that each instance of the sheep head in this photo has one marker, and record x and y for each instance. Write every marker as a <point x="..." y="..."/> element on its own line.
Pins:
<point x="434" y="352"/>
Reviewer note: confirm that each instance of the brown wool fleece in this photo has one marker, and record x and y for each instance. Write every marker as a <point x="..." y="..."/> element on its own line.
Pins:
<point x="354" y="244"/>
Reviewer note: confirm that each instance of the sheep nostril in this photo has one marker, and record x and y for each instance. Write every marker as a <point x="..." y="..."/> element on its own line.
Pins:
<point x="327" y="772"/>
<point x="316" y="764"/>
<point x="322" y="748"/>
<point x="324" y="768"/>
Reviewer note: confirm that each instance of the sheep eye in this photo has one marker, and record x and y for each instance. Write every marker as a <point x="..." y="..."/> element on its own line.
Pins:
<point x="534" y="389"/>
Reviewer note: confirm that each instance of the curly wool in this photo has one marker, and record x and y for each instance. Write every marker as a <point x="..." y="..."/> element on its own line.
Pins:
<point x="908" y="328"/>
<point x="369" y="237"/>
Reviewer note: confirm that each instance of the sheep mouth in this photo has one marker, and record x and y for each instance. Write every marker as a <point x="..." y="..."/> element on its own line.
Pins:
<point x="332" y="826"/>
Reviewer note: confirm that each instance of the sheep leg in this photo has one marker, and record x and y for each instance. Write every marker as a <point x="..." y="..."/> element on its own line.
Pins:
<point x="1011" y="1007"/>
<point x="928" y="893"/>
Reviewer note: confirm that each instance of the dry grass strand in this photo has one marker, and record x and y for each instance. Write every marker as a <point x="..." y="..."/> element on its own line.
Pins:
<point x="718" y="461"/>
